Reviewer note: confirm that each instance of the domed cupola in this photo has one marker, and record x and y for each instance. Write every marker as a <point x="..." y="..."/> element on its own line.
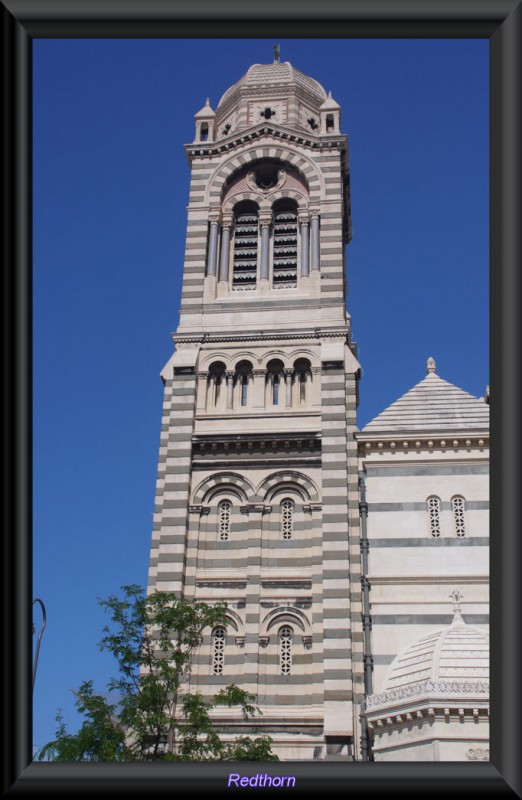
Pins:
<point x="458" y="651"/>
<point x="431" y="690"/>
<point x="276" y="92"/>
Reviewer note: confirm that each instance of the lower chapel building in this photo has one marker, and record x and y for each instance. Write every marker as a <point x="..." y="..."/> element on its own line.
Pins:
<point x="354" y="563"/>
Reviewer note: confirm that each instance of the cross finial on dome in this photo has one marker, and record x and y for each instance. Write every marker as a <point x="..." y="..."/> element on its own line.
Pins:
<point x="277" y="50"/>
<point x="431" y="365"/>
<point x="457" y="597"/>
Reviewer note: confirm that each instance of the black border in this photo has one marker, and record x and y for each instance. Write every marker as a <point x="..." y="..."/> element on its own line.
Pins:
<point x="498" y="20"/>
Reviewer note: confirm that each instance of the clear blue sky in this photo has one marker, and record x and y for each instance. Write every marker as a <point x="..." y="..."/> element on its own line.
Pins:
<point x="110" y="194"/>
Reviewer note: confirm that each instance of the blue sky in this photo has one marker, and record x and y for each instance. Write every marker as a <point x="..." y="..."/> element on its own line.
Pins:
<point x="110" y="194"/>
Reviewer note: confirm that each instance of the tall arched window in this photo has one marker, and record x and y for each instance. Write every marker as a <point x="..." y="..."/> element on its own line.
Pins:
<point x="303" y="371"/>
<point x="433" y="504"/>
<point x="284" y="275"/>
<point x="218" y="650"/>
<point x="458" y="505"/>
<point x="287" y="518"/>
<point x="243" y="378"/>
<point x="274" y="376"/>
<point x="224" y="514"/>
<point x="216" y="380"/>
<point x="244" y="272"/>
<point x="285" y="650"/>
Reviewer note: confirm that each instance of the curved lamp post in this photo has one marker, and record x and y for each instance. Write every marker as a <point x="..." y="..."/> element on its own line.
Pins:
<point x="37" y="600"/>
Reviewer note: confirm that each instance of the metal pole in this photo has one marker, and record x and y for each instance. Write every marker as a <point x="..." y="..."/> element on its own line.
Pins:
<point x="367" y="620"/>
<point x="37" y="600"/>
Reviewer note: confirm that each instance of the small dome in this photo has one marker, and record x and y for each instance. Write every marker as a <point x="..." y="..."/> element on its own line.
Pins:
<point x="261" y="76"/>
<point x="458" y="651"/>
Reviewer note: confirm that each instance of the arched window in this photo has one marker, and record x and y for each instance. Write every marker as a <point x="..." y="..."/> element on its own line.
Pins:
<point x="303" y="372"/>
<point x="244" y="274"/>
<point x="458" y="505"/>
<point x="224" y="513"/>
<point x="433" y="504"/>
<point x="216" y="379"/>
<point x="243" y="377"/>
<point x="285" y="245"/>
<point x="285" y="650"/>
<point x="218" y="650"/>
<point x="287" y="518"/>
<point x="274" y="376"/>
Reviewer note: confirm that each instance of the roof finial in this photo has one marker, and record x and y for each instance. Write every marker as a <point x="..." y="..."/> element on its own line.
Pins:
<point x="208" y="101"/>
<point x="456" y="596"/>
<point x="277" y="51"/>
<point x="431" y="365"/>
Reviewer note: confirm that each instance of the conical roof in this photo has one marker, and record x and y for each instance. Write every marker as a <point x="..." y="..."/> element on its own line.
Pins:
<point x="432" y="405"/>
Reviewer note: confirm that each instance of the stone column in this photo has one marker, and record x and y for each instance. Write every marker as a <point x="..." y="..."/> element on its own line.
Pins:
<point x="225" y="251"/>
<point x="315" y="248"/>
<point x="288" y="381"/>
<point x="212" y="247"/>
<point x="230" y="389"/>
<point x="264" y="222"/>
<point x="304" y="224"/>
<point x="258" y="384"/>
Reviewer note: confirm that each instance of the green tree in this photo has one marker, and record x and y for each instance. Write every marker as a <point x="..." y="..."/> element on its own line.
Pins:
<point x="154" y="639"/>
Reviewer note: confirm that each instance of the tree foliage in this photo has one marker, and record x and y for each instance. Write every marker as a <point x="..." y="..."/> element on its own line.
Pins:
<point x="154" y="639"/>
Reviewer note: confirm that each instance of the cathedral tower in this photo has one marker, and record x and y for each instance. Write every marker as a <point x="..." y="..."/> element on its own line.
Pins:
<point x="257" y="493"/>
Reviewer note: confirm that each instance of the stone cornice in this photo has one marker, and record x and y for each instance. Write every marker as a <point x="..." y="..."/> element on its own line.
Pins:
<point x="435" y="693"/>
<point x="402" y="441"/>
<point x="303" y="139"/>
<point x="316" y="334"/>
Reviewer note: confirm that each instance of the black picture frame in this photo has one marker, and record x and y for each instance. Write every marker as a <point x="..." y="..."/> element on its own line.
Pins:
<point x="501" y="22"/>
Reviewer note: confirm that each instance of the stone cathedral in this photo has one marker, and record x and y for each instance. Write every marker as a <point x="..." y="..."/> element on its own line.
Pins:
<point x="269" y="496"/>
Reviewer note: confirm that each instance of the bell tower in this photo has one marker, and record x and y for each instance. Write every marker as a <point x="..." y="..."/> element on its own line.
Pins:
<point x="257" y="493"/>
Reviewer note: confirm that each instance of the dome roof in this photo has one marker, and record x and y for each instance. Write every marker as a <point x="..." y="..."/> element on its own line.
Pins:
<point x="459" y="652"/>
<point x="267" y="76"/>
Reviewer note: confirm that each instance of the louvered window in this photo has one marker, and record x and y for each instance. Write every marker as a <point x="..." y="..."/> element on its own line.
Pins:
<point x="285" y="249"/>
<point x="245" y="250"/>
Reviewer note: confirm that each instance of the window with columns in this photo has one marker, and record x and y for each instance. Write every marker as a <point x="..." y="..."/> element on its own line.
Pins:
<point x="274" y="239"/>
<point x="275" y="376"/>
<point x="216" y="382"/>
<point x="244" y="378"/>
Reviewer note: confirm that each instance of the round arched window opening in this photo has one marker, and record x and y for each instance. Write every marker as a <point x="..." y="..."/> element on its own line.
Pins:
<point x="275" y="372"/>
<point x="216" y="374"/>
<point x="303" y="371"/>
<point x="243" y="377"/>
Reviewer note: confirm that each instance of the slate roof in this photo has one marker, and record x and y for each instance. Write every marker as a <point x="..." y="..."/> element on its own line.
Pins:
<point x="432" y="405"/>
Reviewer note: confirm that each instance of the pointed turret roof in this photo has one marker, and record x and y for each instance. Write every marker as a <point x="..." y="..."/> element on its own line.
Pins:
<point x="432" y="405"/>
<point x="206" y="112"/>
